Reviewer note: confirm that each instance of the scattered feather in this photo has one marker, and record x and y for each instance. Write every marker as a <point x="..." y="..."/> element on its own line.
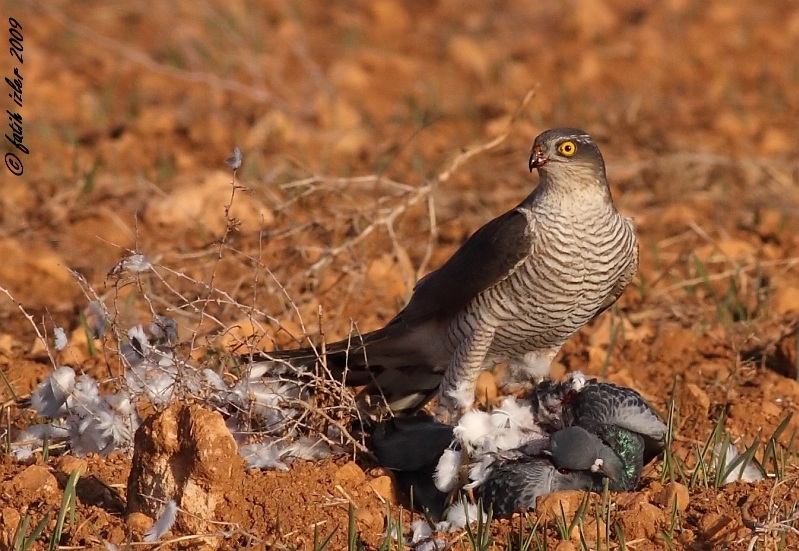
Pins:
<point x="164" y="522"/>
<point x="264" y="455"/>
<point x="447" y="470"/>
<point x="164" y="329"/>
<point x="96" y="318"/>
<point x="308" y="448"/>
<point x="474" y="428"/>
<point x="134" y="263"/>
<point x="234" y="162"/>
<point x="50" y="397"/>
<point x="462" y="513"/>
<point x="420" y="530"/>
<point x="577" y="380"/>
<point x="746" y="472"/>
<point x="60" y="338"/>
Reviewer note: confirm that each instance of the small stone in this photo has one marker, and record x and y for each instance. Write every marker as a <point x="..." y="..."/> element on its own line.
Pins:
<point x="67" y="464"/>
<point x="373" y="520"/>
<point x="558" y="504"/>
<point x="36" y="479"/>
<point x="643" y="521"/>
<point x="565" y="545"/>
<point x="384" y="487"/>
<point x="139" y="522"/>
<point x="671" y="493"/>
<point x="9" y="520"/>
<point x="350" y="474"/>
<point x="771" y="409"/>
<point x="591" y="531"/>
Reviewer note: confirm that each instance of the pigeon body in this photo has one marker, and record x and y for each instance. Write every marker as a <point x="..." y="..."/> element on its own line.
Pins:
<point x="576" y="449"/>
<point x="515" y="291"/>
<point x="515" y="485"/>
<point x="621" y="419"/>
<point x="569" y="435"/>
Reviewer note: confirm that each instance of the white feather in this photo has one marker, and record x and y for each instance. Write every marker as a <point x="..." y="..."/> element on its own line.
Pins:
<point x="164" y="522"/>
<point x="264" y="455"/>
<point x="50" y="397"/>
<point x="420" y="530"/>
<point x="462" y="513"/>
<point x="745" y="472"/>
<point x="479" y="470"/>
<point x="577" y="380"/>
<point x="60" y="338"/>
<point x="446" y="475"/>
<point x="474" y="428"/>
<point x="311" y="449"/>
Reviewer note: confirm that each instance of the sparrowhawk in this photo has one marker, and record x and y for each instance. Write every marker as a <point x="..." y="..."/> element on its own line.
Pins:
<point x="514" y="292"/>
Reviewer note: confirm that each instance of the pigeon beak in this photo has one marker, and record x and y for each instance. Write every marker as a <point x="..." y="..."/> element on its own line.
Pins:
<point x="612" y="476"/>
<point x="537" y="159"/>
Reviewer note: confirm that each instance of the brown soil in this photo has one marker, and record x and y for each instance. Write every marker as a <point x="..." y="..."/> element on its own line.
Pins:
<point x="129" y="113"/>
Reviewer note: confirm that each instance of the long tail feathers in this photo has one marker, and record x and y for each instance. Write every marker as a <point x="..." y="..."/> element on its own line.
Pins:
<point x="391" y="378"/>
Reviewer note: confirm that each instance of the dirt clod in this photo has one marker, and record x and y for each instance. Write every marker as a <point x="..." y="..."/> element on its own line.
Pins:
<point x="672" y="493"/>
<point x="185" y="454"/>
<point x="35" y="480"/>
<point x="350" y="473"/>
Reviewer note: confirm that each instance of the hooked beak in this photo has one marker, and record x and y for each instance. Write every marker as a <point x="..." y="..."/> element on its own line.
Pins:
<point x="537" y="159"/>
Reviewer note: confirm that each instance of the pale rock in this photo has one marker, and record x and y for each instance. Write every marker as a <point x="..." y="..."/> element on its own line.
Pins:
<point x="36" y="479"/>
<point x="672" y="493"/>
<point x="139" y="522"/>
<point x="350" y="473"/>
<point x="242" y="333"/>
<point x="67" y="464"/>
<point x="592" y="18"/>
<point x="551" y="505"/>
<point x="642" y="521"/>
<point x="384" y="487"/>
<point x="186" y="454"/>
<point x="9" y="520"/>
<point x="7" y="343"/>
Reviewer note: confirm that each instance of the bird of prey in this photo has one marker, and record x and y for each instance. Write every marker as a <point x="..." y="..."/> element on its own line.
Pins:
<point x="514" y="292"/>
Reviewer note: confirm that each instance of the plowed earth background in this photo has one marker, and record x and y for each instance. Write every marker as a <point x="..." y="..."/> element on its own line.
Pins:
<point x="347" y="115"/>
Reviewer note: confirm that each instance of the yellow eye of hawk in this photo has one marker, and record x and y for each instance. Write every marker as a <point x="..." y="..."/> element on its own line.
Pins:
<point x="567" y="149"/>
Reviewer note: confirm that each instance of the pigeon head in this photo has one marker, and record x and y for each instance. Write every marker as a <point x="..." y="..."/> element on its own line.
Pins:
<point x="576" y="449"/>
<point x="569" y="152"/>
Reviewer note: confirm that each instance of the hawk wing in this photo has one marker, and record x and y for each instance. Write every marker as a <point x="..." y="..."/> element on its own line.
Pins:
<point x="491" y="254"/>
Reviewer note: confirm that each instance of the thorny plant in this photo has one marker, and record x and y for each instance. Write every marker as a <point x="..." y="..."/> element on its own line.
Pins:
<point x="195" y="369"/>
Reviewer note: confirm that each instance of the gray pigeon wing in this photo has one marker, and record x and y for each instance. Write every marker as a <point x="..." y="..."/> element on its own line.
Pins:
<point x="512" y="486"/>
<point x="609" y="404"/>
<point x="488" y="256"/>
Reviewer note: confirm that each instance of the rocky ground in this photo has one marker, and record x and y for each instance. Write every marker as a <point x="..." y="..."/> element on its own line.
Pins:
<point x="353" y="119"/>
